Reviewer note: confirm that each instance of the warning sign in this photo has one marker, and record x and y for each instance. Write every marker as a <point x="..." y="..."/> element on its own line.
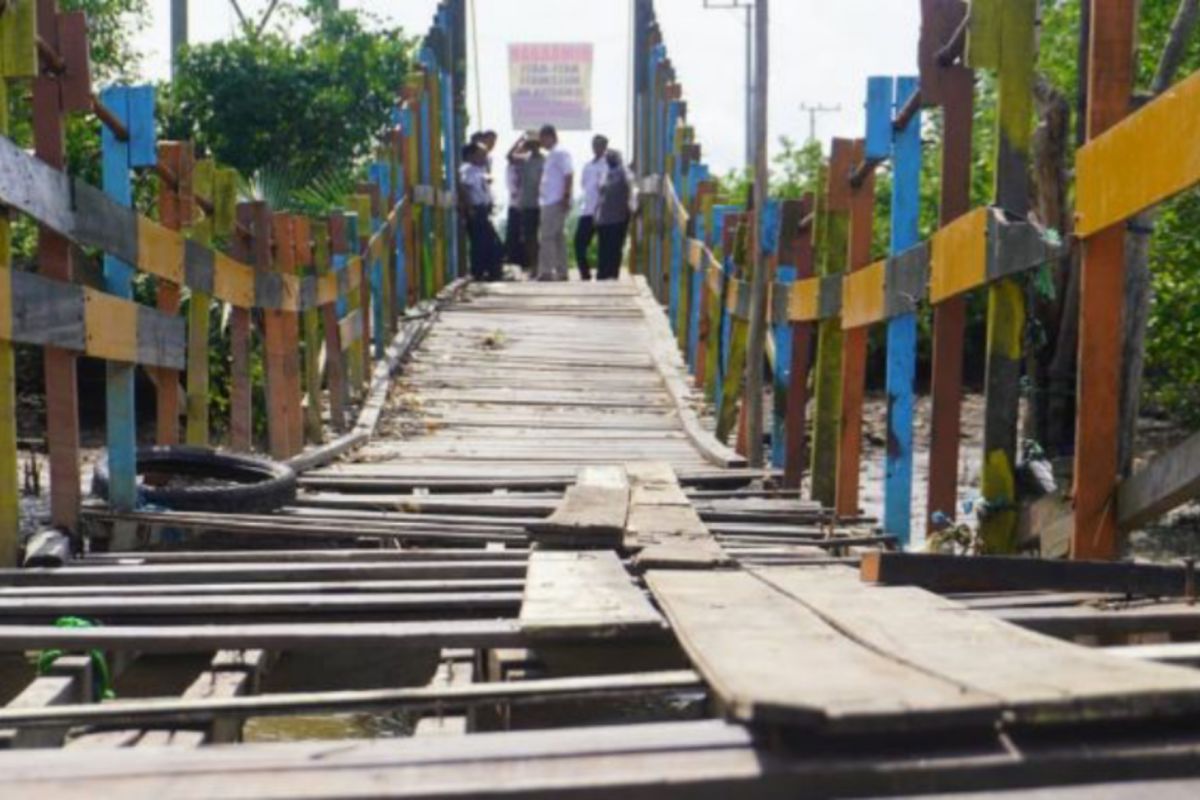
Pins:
<point x="551" y="83"/>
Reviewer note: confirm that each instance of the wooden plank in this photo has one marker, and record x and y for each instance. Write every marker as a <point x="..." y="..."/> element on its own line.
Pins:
<point x="745" y="636"/>
<point x="798" y="250"/>
<point x="111" y="333"/>
<point x="953" y="87"/>
<point x="1128" y="165"/>
<point x="10" y="508"/>
<point x="269" y="636"/>
<point x="199" y="313"/>
<point x="854" y="349"/>
<point x="67" y="680"/>
<point x="584" y="595"/>
<point x="456" y="668"/>
<point x="901" y="373"/>
<point x="175" y="209"/>
<point x="46" y="170"/>
<point x="832" y="235"/>
<point x="862" y="296"/>
<point x="159" y="711"/>
<point x="1005" y="40"/>
<point x="1170" y="479"/>
<point x="943" y="574"/>
<point x="592" y="513"/>
<point x="958" y="255"/>
<point x="1036" y="679"/>
<point x="663" y="528"/>
<point x="1112" y="66"/>
<point x="667" y="362"/>
<point x="281" y="351"/>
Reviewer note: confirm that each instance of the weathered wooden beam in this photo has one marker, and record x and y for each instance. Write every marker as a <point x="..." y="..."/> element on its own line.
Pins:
<point x="1170" y="479"/>
<point x="952" y="87"/>
<point x="1111" y="68"/>
<point x="947" y="574"/>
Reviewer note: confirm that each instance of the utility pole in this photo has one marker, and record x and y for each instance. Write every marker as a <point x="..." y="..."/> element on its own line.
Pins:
<point x="812" y="116"/>
<point x="179" y="32"/>
<point x="748" y="7"/>
<point x="758" y="325"/>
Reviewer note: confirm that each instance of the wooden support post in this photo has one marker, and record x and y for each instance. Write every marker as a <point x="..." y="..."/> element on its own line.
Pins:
<point x="436" y="164"/>
<point x="310" y="322"/>
<point x="120" y="414"/>
<point x="366" y="203"/>
<point x="50" y="102"/>
<point x="1111" y="68"/>
<point x="326" y="235"/>
<point x="902" y="330"/>
<point x="217" y="185"/>
<point x="953" y="88"/>
<point x="781" y="336"/>
<point x="854" y="348"/>
<point x="341" y="374"/>
<point x="1003" y="38"/>
<point x="252" y="247"/>
<point x="797" y="250"/>
<point x="833" y="221"/>
<point x="699" y="283"/>
<point x="281" y="345"/>
<point x="10" y="506"/>
<point x="175" y="210"/>
<point x="733" y="381"/>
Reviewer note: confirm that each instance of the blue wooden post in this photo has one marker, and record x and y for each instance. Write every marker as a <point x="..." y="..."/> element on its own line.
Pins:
<point x="426" y="171"/>
<point x="675" y="265"/>
<point x="134" y="109"/>
<point x="902" y="330"/>
<point x="782" y="333"/>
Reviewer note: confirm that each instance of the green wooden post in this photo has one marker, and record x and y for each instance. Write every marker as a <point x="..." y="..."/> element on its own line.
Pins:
<point x="1002" y="37"/>
<point x="833" y="236"/>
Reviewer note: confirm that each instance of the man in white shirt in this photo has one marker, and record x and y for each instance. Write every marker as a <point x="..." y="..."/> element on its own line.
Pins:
<point x="589" y="180"/>
<point x="475" y="198"/>
<point x="554" y="199"/>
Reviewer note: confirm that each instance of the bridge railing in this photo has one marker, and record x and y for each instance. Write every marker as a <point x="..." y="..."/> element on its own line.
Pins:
<point x="827" y="289"/>
<point x="315" y="298"/>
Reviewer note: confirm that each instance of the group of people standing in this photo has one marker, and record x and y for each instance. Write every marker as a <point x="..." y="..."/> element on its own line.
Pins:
<point x="540" y="178"/>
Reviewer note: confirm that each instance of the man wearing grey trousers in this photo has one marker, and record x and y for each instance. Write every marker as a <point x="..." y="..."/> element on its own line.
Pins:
<point x="554" y="197"/>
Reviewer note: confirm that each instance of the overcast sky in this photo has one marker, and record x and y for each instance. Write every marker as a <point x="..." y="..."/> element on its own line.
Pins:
<point x="821" y="53"/>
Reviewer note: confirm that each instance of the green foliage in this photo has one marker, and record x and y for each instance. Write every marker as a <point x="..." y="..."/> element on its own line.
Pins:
<point x="305" y="112"/>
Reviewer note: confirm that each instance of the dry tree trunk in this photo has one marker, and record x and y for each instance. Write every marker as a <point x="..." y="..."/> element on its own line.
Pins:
<point x="1051" y="149"/>
<point x="1138" y="290"/>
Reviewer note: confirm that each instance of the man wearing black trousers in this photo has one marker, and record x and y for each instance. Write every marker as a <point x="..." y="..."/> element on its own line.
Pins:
<point x="475" y="195"/>
<point x="589" y="182"/>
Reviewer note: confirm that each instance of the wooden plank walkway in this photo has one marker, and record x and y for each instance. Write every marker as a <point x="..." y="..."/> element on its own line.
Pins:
<point x="546" y="520"/>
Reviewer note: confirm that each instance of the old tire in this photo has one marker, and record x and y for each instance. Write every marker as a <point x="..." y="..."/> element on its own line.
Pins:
<point x="258" y="485"/>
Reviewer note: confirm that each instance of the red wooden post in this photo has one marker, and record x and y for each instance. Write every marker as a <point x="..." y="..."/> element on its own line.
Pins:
<point x="53" y="95"/>
<point x="953" y="88"/>
<point x="797" y="250"/>
<point x="854" y="348"/>
<point x="175" y="207"/>
<point x="281" y="345"/>
<point x="1101" y="299"/>
<point x="251" y="245"/>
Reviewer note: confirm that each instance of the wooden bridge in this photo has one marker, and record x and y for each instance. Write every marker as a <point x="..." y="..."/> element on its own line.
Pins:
<point x="598" y="597"/>
<point x="534" y="552"/>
